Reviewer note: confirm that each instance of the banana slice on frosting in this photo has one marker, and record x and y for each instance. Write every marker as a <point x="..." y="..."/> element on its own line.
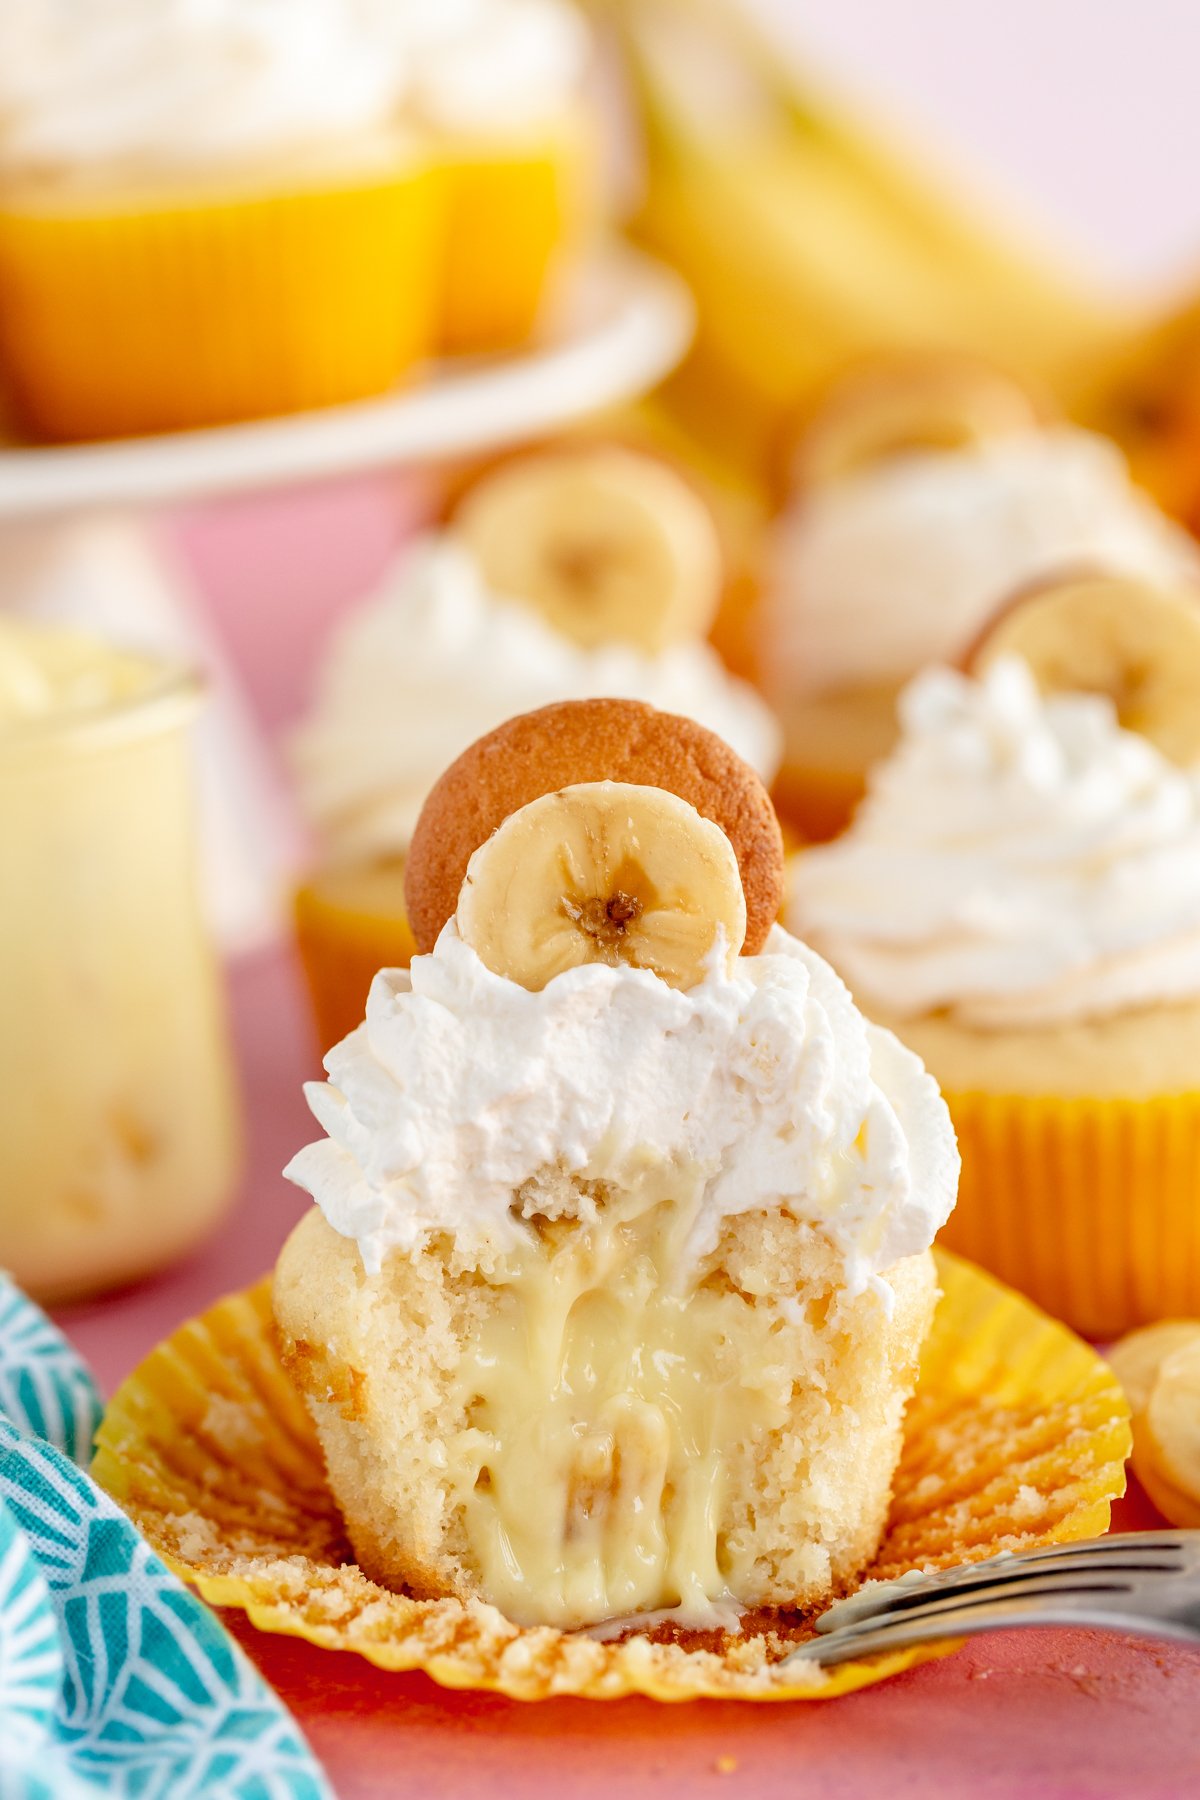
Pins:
<point x="1110" y="634"/>
<point x="1159" y="1369"/>
<point x="607" y="872"/>
<point x="919" y="402"/>
<point x="609" y="546"/>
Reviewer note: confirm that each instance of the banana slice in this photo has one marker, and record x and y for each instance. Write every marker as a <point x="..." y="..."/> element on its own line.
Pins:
<point x="936" y="402"/>
<point x="1159" y="1369"/>
<point x="1172" y="1422"/>
<point x="1137" y="1358"/>
<point x="608" y="546"/>
<point x="1175" y="1506"/>
<point x="1110" y="634"/>
<point x="603" y="872"/>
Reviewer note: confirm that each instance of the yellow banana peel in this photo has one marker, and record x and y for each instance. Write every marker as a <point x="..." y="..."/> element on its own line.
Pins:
<point x="808" y="244"/>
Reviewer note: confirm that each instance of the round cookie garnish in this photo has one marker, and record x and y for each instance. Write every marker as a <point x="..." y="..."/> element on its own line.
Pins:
<point x="890" y="405"/>
<point x="581" y="742"/>
<point x="1112" y="635"/>
<point x="606" y="544"/>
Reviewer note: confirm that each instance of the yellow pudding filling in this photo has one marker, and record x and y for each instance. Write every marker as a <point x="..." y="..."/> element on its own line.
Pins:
<point x="604" y="1404"/>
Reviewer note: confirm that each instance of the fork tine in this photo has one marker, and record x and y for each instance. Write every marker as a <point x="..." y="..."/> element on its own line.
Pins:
<point x="953" y="1601"/>
<point x="981" y="1577"/>
<point x="988" y="1615"/>
<point x="1118" y="1582"/>
<point x="1140" y="1546"/>
<point x="1173" y="1541"/>
<point x="1131" y="1552"/>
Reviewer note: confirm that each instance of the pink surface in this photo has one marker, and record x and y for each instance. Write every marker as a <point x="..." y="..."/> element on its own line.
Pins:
<point x="277" y="569"/>
<point x="1035" y="1715"/>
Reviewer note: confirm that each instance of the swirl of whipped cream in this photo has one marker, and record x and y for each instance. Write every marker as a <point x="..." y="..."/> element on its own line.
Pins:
<point x="435" y="660"/>
<point x="901" y="564"/>
<point x="1019" y="861"/>
<point x="765" y="1084"/>
<point x="475" y="65"/>
<point x="178" y="84"/>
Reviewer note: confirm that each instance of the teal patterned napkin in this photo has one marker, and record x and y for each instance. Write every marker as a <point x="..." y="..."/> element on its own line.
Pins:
<point x="114" y="1679"/>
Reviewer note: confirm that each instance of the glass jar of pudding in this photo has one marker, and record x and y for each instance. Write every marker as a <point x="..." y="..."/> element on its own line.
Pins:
<point x="118" y="1125"/>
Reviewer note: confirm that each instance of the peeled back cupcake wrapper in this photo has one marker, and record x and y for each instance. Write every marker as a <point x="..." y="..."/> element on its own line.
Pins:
<point x="112" y="1676"/>
<point x="1017" y="1437"/>
<point x="1088" y="1206"/>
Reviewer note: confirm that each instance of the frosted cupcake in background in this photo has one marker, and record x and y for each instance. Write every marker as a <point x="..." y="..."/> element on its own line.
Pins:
<point x="568" y="575"/>
<point x="928" y="489"/>
<point x="222" y="211"/>
<point x="206" y="212"/>
<point x="1018" y="897"/>
<point x="498" y="90"/>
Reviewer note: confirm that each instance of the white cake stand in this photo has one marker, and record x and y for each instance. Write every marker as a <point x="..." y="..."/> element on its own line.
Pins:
<point x="628" y="323"/>
<point x="76" y="547"/>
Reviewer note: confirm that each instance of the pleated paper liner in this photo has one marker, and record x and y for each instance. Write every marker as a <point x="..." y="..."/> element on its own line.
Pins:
<point x="350" y="923"/>
<point x="156" y="317"/>
<point x="516" y="215"/>
<point x="1091" y="1207"/>
<point x="1017" y="1436"/>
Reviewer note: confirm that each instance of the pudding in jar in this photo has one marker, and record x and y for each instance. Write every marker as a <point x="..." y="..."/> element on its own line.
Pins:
<point x="118" y="1128"/>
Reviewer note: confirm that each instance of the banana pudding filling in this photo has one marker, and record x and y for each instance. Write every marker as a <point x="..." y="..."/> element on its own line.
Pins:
<point x="614" y="1294"/>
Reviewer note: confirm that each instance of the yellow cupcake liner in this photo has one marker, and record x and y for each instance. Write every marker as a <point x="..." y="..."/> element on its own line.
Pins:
<point x="817" y="803"/>
<point x="163" y="317"/>
<point x="1091" y="1207"/>
<point x="513" y="215"/>
<point x="1017" y="1436"/>
<point x="347" y="932"/>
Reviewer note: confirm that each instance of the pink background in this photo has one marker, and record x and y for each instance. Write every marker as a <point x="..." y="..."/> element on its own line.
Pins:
<point x="1079" y="115"/>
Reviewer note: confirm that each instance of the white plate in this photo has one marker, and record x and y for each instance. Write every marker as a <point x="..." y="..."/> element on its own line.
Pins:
<point x="630" y="323"/>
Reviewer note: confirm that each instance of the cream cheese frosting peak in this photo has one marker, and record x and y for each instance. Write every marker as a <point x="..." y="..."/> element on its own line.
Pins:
<point x="1019" y="861"/>
<point x="435" y="660"/>
<point x="901" y="564"/>
<point x="766" y="1086"/>
<point x="181" y="83"/>
<point x="475" y="65"/>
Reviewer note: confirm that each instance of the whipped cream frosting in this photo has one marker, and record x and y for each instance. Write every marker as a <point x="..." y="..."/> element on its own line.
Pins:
<point x="435" y="660"/>
<point x="50" y="672"/>
<point x="176" y="83"/>
<point x="474" y="65"/>
<point x="902" y="563"/>
<point x="461" y="1086"/>
<point x="1019" y="861"/>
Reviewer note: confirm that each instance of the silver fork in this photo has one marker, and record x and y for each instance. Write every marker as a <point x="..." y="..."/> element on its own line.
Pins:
<point x="1145" y="1582"/>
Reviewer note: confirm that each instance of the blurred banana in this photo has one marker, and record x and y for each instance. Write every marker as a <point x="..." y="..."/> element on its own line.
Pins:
<point x="808" y="244"/>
